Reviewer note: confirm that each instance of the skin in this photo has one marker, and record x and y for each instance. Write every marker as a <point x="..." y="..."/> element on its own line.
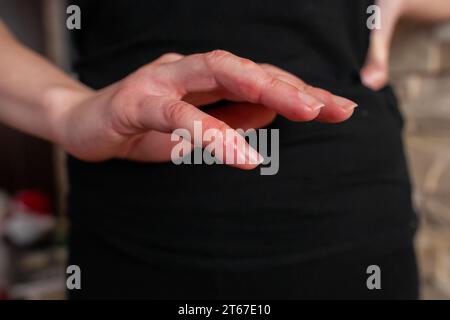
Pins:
<point x="133" y="118"/>
<point x="375" y="73"/>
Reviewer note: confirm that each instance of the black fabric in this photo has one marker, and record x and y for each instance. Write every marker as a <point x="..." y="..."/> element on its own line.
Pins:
<point x="109" y="274"/>
<point x="340" y="188"/>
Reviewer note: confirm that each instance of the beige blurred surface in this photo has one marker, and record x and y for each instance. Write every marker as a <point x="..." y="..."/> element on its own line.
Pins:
<point x="420" y="71"/>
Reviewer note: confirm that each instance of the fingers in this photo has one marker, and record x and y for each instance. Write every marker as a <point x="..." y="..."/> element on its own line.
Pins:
<point x="169" y="115"/>
<point x="206" y="78"/>
<point x="244" y="115"/>
<point x="375" y="73"/>
<point x="239" y="79"/>
<point x="336" y="109"/>
<point x="168" y="58"/>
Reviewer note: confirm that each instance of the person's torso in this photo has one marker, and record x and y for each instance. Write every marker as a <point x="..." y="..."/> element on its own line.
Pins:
<point x="324" y="39"/>
<point x="336" y="183"/>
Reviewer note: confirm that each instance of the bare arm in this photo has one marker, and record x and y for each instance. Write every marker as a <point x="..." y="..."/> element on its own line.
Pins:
<point x="30" y="88"/>
<point x="375" y="72"/>
<point x="428" y="10"/>
<point x="133" y="118"/>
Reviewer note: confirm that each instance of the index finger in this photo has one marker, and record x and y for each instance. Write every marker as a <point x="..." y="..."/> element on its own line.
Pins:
<point x="337" y="109"/>
<point x="171" y="116"/>
<point x="239" y="79"/>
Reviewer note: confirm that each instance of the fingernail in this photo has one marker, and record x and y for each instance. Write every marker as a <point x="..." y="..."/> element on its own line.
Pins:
<point x="245" y="152"/>
<point x="253" y="156"/>
<point x="344" y="103"/>
<point x="312" y="102"/>
<point x="247" y="155"/>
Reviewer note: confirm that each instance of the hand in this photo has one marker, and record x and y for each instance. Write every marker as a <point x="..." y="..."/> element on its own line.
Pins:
<point x="375" y="73"/>
<point x="133" y="118"/>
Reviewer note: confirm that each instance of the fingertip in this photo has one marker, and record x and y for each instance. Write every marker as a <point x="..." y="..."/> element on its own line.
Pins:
<point x="344" y="103"/>
<point x="374" y="78"/>
<point x="338" y="109"/>
<point x="310" y="101"/>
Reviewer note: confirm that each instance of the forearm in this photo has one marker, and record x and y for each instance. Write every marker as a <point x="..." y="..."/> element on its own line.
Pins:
<point x="33" y="93"/>
<point x="393" y="10"/>
<point x="427" y="10"/>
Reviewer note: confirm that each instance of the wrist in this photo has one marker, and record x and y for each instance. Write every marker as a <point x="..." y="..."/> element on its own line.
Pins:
<point x="59" y="101"/>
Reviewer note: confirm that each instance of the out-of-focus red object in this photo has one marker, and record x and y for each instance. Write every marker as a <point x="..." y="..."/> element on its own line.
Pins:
<point x="3" y="295"/>
<point x="34" y="201"/>
<point x="29" y="218"/>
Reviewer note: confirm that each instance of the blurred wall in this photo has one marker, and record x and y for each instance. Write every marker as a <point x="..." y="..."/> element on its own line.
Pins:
<point x="420" y="70"/>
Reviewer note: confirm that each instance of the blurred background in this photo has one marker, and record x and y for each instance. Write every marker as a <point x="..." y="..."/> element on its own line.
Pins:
<point x="420" y="72"/>
<point x="33" y="183"/>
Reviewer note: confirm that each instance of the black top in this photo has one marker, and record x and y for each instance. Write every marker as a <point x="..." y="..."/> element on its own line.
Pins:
<point x="339" y="186"/>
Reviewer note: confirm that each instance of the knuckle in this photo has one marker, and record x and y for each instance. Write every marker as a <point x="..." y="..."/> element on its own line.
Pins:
<point x="222" y="126"/>
<point x="213" y="123"/>
<point x="247" y="62"/>
<point x="172" y="55"/>
<point x="176" y="111"/>
<point x="307" y="88"/>
<point x="271" y="82"/>
<point x="304" y="87"/>
<point x="169" y="57"/>
<point x="256" y="88"/>
<point x="267" y="66"/>
<point x="216" y="56"/>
